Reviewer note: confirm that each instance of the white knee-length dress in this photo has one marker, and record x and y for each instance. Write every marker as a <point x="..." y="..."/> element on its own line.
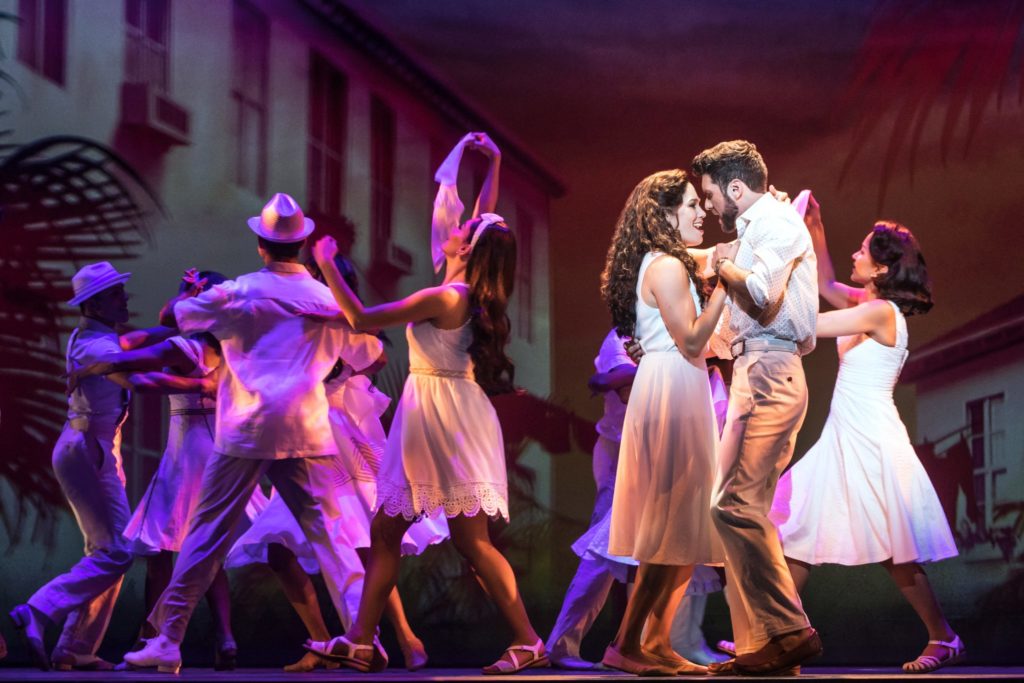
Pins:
<point x="445" y="449"/>
<point x="860" y="495"/>
<point x="661" y="512"/>
<point x="355" y="410"/>
<point x="162" y="517"/>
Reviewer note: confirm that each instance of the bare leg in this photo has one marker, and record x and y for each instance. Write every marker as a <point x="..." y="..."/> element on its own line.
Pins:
<point x="800" y="571"/>
<point x="413" y="651"/>
<point x="298" y="588"/>
<point x="218" y="597"/>
<point x="652" y="580"/>
<point x="158" y="575"/>
<point x="473" y="542"/>
<point x="381" y="575"/>
<point x="659" y="623"/>
<point x="914" y="584"/>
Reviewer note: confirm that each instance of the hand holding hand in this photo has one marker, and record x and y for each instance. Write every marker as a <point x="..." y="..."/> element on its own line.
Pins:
<point x="726" y="250"/>
<point x="194" y="283"/>
<point x="483" y="143"/>
<point x="325" y="250"/>
<point x="812" y="218"/>
<point x="633" y="348"/>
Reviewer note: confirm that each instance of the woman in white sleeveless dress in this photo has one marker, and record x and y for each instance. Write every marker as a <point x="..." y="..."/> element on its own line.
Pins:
<point x="860" y="495"/>
<point x="275" y="537"/>
<point x="445" y="449"/>
<point x="667" y="461"/>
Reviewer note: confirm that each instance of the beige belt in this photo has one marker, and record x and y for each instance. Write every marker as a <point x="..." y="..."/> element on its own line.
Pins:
<point x="439" y="372"/>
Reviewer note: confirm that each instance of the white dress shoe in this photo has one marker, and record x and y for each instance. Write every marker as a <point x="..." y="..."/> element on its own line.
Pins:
<point x="159" y="652"/>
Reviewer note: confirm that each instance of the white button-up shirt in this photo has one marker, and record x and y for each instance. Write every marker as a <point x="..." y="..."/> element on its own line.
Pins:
<point x="783" y="282"/>
<point x="280" y="336"/>
<point x="95" y="397"/>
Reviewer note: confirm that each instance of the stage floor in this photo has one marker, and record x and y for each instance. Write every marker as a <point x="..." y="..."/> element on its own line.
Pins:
<point x="876" y="673"/>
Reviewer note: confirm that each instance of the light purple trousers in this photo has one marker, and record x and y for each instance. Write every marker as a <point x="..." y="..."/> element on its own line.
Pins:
<point x="87" y="465"/>
<point x="305" y="485"/>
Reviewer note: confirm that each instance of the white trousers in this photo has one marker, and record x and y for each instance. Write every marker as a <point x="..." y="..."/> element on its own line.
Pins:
<point x="305" y="485"/>
<point x="88" y="468"/>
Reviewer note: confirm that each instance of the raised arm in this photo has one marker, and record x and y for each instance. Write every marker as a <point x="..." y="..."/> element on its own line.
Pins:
<point x="426" y="304"/>
<point x="487" y="200"/>
<point x="836" y="293"/>
<point x="874" y="318"/>
<point x="194" y="287"/>
<point x="668" y="282"/>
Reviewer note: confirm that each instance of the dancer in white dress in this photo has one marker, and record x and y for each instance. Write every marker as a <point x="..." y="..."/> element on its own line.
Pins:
<point x="860" y="495"/>
<point x="667" y="463"/>
<point x="275" y="538"/>
<point x="445" y="449"/>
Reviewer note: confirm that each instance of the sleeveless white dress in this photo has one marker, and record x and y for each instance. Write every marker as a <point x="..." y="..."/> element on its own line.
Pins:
<point x="162" y="517"/>
<point x="445" y="449"/>
<point x="860" y="495"/>
<point x="355" y="410"/>
<point x="661" y="512"/>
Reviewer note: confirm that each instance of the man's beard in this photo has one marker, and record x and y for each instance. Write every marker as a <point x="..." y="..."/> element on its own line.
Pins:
<point x="729" y="215"/>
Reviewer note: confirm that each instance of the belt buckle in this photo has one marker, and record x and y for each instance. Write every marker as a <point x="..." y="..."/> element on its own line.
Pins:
<point x="737" y="348"/>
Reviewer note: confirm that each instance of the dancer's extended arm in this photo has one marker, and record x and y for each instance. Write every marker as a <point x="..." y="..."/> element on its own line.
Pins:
<point x="116" y="366"/>
<point x="668" y="282"/>
<point x="166" y="383"/>
<point x="139" y="338"/>
<point x="836" y="293"/>
<point x="426" y="304"/>
<point x="487" y="200"/>
<point x="874" y="318"/>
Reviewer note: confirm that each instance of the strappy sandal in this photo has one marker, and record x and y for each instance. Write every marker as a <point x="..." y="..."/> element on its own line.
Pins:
<point x="924" y="664"/>
<point x="536" y="657"/>
<point x="343" y="650"/>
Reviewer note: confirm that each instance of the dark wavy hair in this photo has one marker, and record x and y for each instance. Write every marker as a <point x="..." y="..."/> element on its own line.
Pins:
<point x="644" y="227"/>
<point x="491" y="275"/>
<point x="906" y="282"/>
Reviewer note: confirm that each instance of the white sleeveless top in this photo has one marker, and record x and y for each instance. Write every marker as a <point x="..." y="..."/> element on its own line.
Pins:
<point x="650" y="328"/>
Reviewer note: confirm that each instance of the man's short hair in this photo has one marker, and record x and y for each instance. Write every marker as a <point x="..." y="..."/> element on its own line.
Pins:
<point x="733" y="160"/>
<point x="282" y="251"/>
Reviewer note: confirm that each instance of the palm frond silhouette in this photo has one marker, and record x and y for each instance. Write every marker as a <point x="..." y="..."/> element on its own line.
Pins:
<point x="65" y="201"/>
<point x="923" y="58"/>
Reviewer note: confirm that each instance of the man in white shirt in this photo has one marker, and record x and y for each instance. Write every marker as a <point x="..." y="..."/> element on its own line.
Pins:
<point x="87" y="465"/>
<point x="272" y="416"/>
<point x="767" y="325"/>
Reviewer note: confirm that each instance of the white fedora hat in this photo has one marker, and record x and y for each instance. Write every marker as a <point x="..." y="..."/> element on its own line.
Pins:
<point x="93" y="279"/>
<point x="281" y="221"/>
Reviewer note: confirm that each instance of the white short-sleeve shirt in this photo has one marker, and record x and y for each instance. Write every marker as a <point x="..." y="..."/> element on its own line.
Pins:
<point x="280" y="336"/>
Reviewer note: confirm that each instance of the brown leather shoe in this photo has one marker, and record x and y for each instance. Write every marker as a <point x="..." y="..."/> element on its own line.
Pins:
<point x="780" y="654"/>
<point x="726" y="669"/>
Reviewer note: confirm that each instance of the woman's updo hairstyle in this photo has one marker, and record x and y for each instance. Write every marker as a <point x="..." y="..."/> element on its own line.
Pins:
<point x="906" y="283"/>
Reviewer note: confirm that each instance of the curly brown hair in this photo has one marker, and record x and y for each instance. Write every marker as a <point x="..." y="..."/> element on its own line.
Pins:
<point x="491" y="276"/>
<point x="644" y="227"/>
